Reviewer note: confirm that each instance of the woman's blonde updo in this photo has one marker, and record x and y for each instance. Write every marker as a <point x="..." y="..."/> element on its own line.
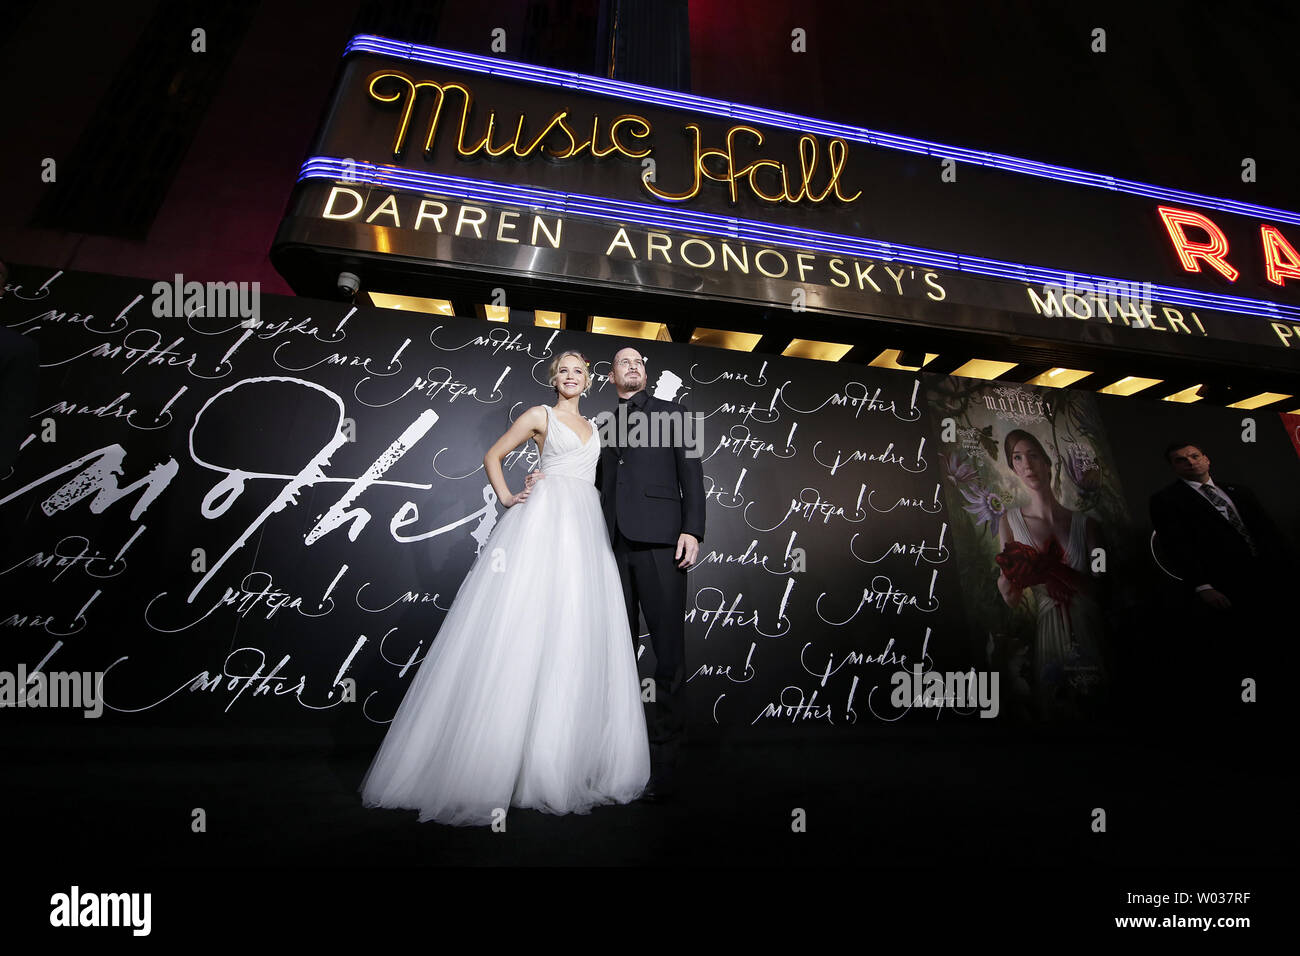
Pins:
<point x="555" y="367"/>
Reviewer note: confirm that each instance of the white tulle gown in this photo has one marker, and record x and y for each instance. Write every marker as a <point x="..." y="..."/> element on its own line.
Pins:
<point x="529" y="695"/>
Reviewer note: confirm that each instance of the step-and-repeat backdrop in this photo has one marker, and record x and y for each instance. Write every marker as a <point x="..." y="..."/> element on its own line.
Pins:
<point x="265" y="521"/>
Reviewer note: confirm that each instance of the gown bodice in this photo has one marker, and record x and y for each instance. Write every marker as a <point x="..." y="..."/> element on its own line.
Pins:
<point x="1075" y="547"/>
<point x="1067" y="643"/>
<point x="565" y="454"/>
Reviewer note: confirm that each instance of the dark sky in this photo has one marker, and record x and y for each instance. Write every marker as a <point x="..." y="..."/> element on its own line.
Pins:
<point x="1181" y="96"/>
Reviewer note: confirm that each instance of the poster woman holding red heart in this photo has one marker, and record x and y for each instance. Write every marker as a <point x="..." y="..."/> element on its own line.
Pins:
<point x="1046" y="553"/>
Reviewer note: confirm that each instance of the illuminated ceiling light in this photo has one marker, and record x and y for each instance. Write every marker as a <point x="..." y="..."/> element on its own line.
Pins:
<point x="411" y="303"/>
<point x="738" y="112"/>
<point x="1260" y="400"/>
<point x="889" y="358"/>
<point x="726" y="339"/>
<point x="1129" y="385"/>
<point x="622" y="212"/>
<point x="812" y="349"/>
<point x="983" y="368"/>
<point x="550" y="320"/>
<point x="1186" y="396"/>
<point x="604" y="325"/>
<point x="1059" y="377"/>
<point x="496" y="313"/>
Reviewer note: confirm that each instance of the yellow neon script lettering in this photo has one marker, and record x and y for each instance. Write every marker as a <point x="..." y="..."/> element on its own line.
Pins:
<point x="836" y="149"/>
<point x="392" y="86"/>
<point x="719" y="165"/>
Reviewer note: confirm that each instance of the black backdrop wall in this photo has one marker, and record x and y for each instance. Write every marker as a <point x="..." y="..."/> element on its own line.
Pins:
<point x="232" y="522"/>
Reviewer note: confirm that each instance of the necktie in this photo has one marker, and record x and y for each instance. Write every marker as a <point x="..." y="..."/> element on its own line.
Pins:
<point x="625" y="408"/>
<point x="1230" y="513"/>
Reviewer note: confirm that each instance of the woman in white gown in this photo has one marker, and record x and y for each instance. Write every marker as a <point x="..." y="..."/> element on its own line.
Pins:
<point x="1067" y="658"/>
<point x="529" y="695"/>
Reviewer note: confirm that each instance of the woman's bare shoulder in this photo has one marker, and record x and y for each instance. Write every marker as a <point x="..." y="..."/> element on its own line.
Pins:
<point x="535" y="416"/>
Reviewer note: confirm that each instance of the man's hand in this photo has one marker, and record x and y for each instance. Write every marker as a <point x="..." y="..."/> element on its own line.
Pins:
<point x="688" y="549"/>
<point x="1215" y="599"/>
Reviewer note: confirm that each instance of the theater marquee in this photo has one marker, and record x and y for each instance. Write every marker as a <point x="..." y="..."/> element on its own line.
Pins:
<point x="484" y="166"/>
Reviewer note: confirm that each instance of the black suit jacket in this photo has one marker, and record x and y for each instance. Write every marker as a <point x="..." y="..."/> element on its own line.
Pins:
<point x="1205" y="548"/>
<point x="651" y="494"/>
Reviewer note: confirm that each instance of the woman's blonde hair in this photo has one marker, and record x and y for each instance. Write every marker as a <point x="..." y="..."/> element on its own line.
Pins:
<point x="555" y="367"/>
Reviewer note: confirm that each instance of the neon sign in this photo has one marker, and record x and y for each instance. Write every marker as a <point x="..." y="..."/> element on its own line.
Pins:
<point x="630" y="187"/>
<point x="1281" y="261"/>
<point x="394" y="86"/>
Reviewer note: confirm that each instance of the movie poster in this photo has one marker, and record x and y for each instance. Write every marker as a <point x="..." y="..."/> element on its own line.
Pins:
<point x="1035" y="500"/>
<point x="1292" y="425"/>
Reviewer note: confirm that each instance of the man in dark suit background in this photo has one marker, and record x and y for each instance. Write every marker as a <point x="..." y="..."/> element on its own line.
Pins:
<point x="653" y="497"/>
<point x="1217" y="535"/>
<point x="1231" y="559"/>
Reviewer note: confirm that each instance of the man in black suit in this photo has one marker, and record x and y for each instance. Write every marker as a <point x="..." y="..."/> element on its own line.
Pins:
<point x="652" y="492"/>
<point x="1230" y="558"/>
<point x="1218" y="537"/>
